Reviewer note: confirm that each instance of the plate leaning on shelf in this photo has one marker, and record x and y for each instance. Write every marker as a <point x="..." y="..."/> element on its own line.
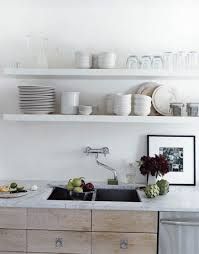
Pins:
<point x="161" y="99"/>
<point x="36" y="99"/>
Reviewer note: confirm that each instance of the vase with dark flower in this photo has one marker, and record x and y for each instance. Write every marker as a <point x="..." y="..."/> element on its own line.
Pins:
<point x="153" y="167"/>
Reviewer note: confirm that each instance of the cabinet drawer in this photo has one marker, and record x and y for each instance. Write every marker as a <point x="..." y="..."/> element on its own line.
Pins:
<point x="127" y="243"/>
<point x="13" y="218"/>
<point x="58" y="241"/>
<point x="59" y="219"/>
<point x="12" y="240"/>
<point x="124" y="221"/>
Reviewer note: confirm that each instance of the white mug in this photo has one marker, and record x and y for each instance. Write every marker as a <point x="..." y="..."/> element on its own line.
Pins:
<point x="70" y="103"/>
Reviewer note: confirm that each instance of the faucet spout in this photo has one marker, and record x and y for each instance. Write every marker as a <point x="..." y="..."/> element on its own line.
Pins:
<point x="109" y="168"/>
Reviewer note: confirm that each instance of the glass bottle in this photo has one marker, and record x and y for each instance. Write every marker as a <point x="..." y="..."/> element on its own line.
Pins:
<point x="131" y="174"/>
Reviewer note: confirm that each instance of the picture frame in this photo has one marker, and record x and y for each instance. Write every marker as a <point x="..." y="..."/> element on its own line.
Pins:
<point x="180" y="151"/>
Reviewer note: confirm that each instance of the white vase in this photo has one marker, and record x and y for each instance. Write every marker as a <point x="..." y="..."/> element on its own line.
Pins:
<point x="153" y="179"/>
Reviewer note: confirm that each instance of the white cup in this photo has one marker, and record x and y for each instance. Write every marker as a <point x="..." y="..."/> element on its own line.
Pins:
<point x="69" y="103"/>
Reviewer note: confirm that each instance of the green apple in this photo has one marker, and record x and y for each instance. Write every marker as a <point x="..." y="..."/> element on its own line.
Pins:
<point x="70" y="186"/>
<point x="78" y="189"/>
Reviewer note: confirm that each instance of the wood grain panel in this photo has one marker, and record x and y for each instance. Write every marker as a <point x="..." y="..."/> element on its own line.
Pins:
<point x="124" y="221"/>
<point x="59" y="219"/>
<point x="124" y="243"/>
<point x="12" y="240"/>
<point x="58" y="241"/>
<point x="13" y="218"/>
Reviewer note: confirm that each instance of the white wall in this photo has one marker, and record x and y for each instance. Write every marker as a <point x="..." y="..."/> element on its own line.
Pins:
<point x="54" y="151"/>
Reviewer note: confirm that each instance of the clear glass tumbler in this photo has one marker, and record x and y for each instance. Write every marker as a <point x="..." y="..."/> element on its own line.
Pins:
<point x="157" y="63"/>
<point x="132" y="62"/>
<point x="192" y="60"/>
<point x="168" y="61"/>
<point x="146" y="62"/>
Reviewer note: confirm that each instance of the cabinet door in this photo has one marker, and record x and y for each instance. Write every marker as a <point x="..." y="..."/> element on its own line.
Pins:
<point x="12" y="240"/>
<point x="124" y="243"/>
<point x="58" y="241"/>
<point x="59" y="219"/>
<point x="13" y="218"/>
<point x="124" y="221"/>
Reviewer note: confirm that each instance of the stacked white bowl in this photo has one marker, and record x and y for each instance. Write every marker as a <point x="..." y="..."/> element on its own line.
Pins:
<point x="142" y="105"/>
<point x="83" y="60"/>
<point x="106" y="60"/>
<point x="122" y="104"/>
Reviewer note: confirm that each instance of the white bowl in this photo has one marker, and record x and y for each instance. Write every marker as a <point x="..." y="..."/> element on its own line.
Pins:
<point x="142" y="104"/>
<point x="85" y="110"/>
<point x="142" y="113"/>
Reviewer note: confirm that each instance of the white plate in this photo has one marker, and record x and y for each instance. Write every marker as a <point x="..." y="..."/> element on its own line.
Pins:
<point x="36" y="97"/>
<point x="12" y="195"/>
<point x="36" y="102"/>
<point x="36" y="87"/>
<point x="41" y="112"/>
<point x="161" y="99"/>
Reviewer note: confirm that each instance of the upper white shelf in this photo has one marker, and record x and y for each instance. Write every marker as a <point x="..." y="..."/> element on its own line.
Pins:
<point x="102" y="119"/>
<point x="100" y="73"/>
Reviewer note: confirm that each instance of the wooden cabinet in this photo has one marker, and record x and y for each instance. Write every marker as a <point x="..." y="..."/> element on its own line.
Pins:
<point x="58" y="241"/>
<point x="124" y="221"/>
<point x="127" y="243"/>
<point x="12" y="240"/>
<point x="37" y="231"/>
<point x="59" y="219"/>
<point x="13" y="218"/>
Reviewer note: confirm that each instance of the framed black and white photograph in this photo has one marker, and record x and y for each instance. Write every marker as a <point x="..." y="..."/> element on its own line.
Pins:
<point x="180" y="153"/>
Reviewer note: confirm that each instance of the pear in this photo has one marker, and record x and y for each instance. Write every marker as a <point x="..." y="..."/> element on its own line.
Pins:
<point x="78" y="189"/>
<point x="77" y="182"/>
<point x="70" y="186"/>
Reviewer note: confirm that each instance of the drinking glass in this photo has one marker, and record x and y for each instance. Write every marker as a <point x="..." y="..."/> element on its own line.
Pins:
<point x="192" y="60"/>
<point x="132" y="62"/>
<point x="168" y="61"/>
<point x="146" y="63"/>
<point x="157" y="63"/>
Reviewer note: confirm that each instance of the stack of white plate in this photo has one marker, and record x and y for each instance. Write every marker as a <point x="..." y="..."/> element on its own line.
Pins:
<point x="36" y="99"/>
<point x="122" y="104"/>
<point x="142" y="105"/>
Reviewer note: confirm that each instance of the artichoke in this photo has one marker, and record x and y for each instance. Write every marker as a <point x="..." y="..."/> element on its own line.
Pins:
<point x="152" y="191"/>
<point x="163" y="186"/>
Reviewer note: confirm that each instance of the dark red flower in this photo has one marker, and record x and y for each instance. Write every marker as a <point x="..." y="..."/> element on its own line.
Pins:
<point x="157" y="165"/>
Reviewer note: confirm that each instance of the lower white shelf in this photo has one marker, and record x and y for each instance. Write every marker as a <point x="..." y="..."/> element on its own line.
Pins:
<point x="100" y="119"/>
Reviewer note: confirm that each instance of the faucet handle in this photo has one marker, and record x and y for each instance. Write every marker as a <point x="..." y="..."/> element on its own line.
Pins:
<point x="96" y="151"/>
<point x="105" y="151"/>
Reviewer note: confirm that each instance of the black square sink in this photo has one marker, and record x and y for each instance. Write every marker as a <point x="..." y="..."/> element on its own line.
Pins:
<point x="63" y="194"/>
<point x="118" y="195"/>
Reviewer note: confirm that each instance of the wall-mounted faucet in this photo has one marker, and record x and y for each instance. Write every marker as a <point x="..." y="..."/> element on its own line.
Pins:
<point x="104" y="151"/>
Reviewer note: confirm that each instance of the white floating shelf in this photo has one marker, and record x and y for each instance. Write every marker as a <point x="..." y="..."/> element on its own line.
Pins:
<point x="100" y="73"/>
<point x="101" y="119"/>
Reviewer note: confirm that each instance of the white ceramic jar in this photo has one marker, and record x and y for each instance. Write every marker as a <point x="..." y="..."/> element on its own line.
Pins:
<point x="69" y="103"/>
<point x="107" y="60"/>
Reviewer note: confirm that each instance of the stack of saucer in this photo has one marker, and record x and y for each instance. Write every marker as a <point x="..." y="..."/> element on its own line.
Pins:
<point x="142" y="105"/>
<point x="36" y="99"/>
<point x="122" y="104"/>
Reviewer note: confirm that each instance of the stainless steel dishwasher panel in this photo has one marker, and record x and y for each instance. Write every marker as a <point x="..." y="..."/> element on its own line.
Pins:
<point x="178" y="233"/>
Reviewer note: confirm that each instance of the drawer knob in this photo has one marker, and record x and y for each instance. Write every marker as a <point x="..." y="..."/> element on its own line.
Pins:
<point x="59" y="242"/>
<point x="123" y="244"/>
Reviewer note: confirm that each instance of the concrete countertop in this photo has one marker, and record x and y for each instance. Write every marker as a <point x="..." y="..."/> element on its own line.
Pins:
<point x="180" y="198"/>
